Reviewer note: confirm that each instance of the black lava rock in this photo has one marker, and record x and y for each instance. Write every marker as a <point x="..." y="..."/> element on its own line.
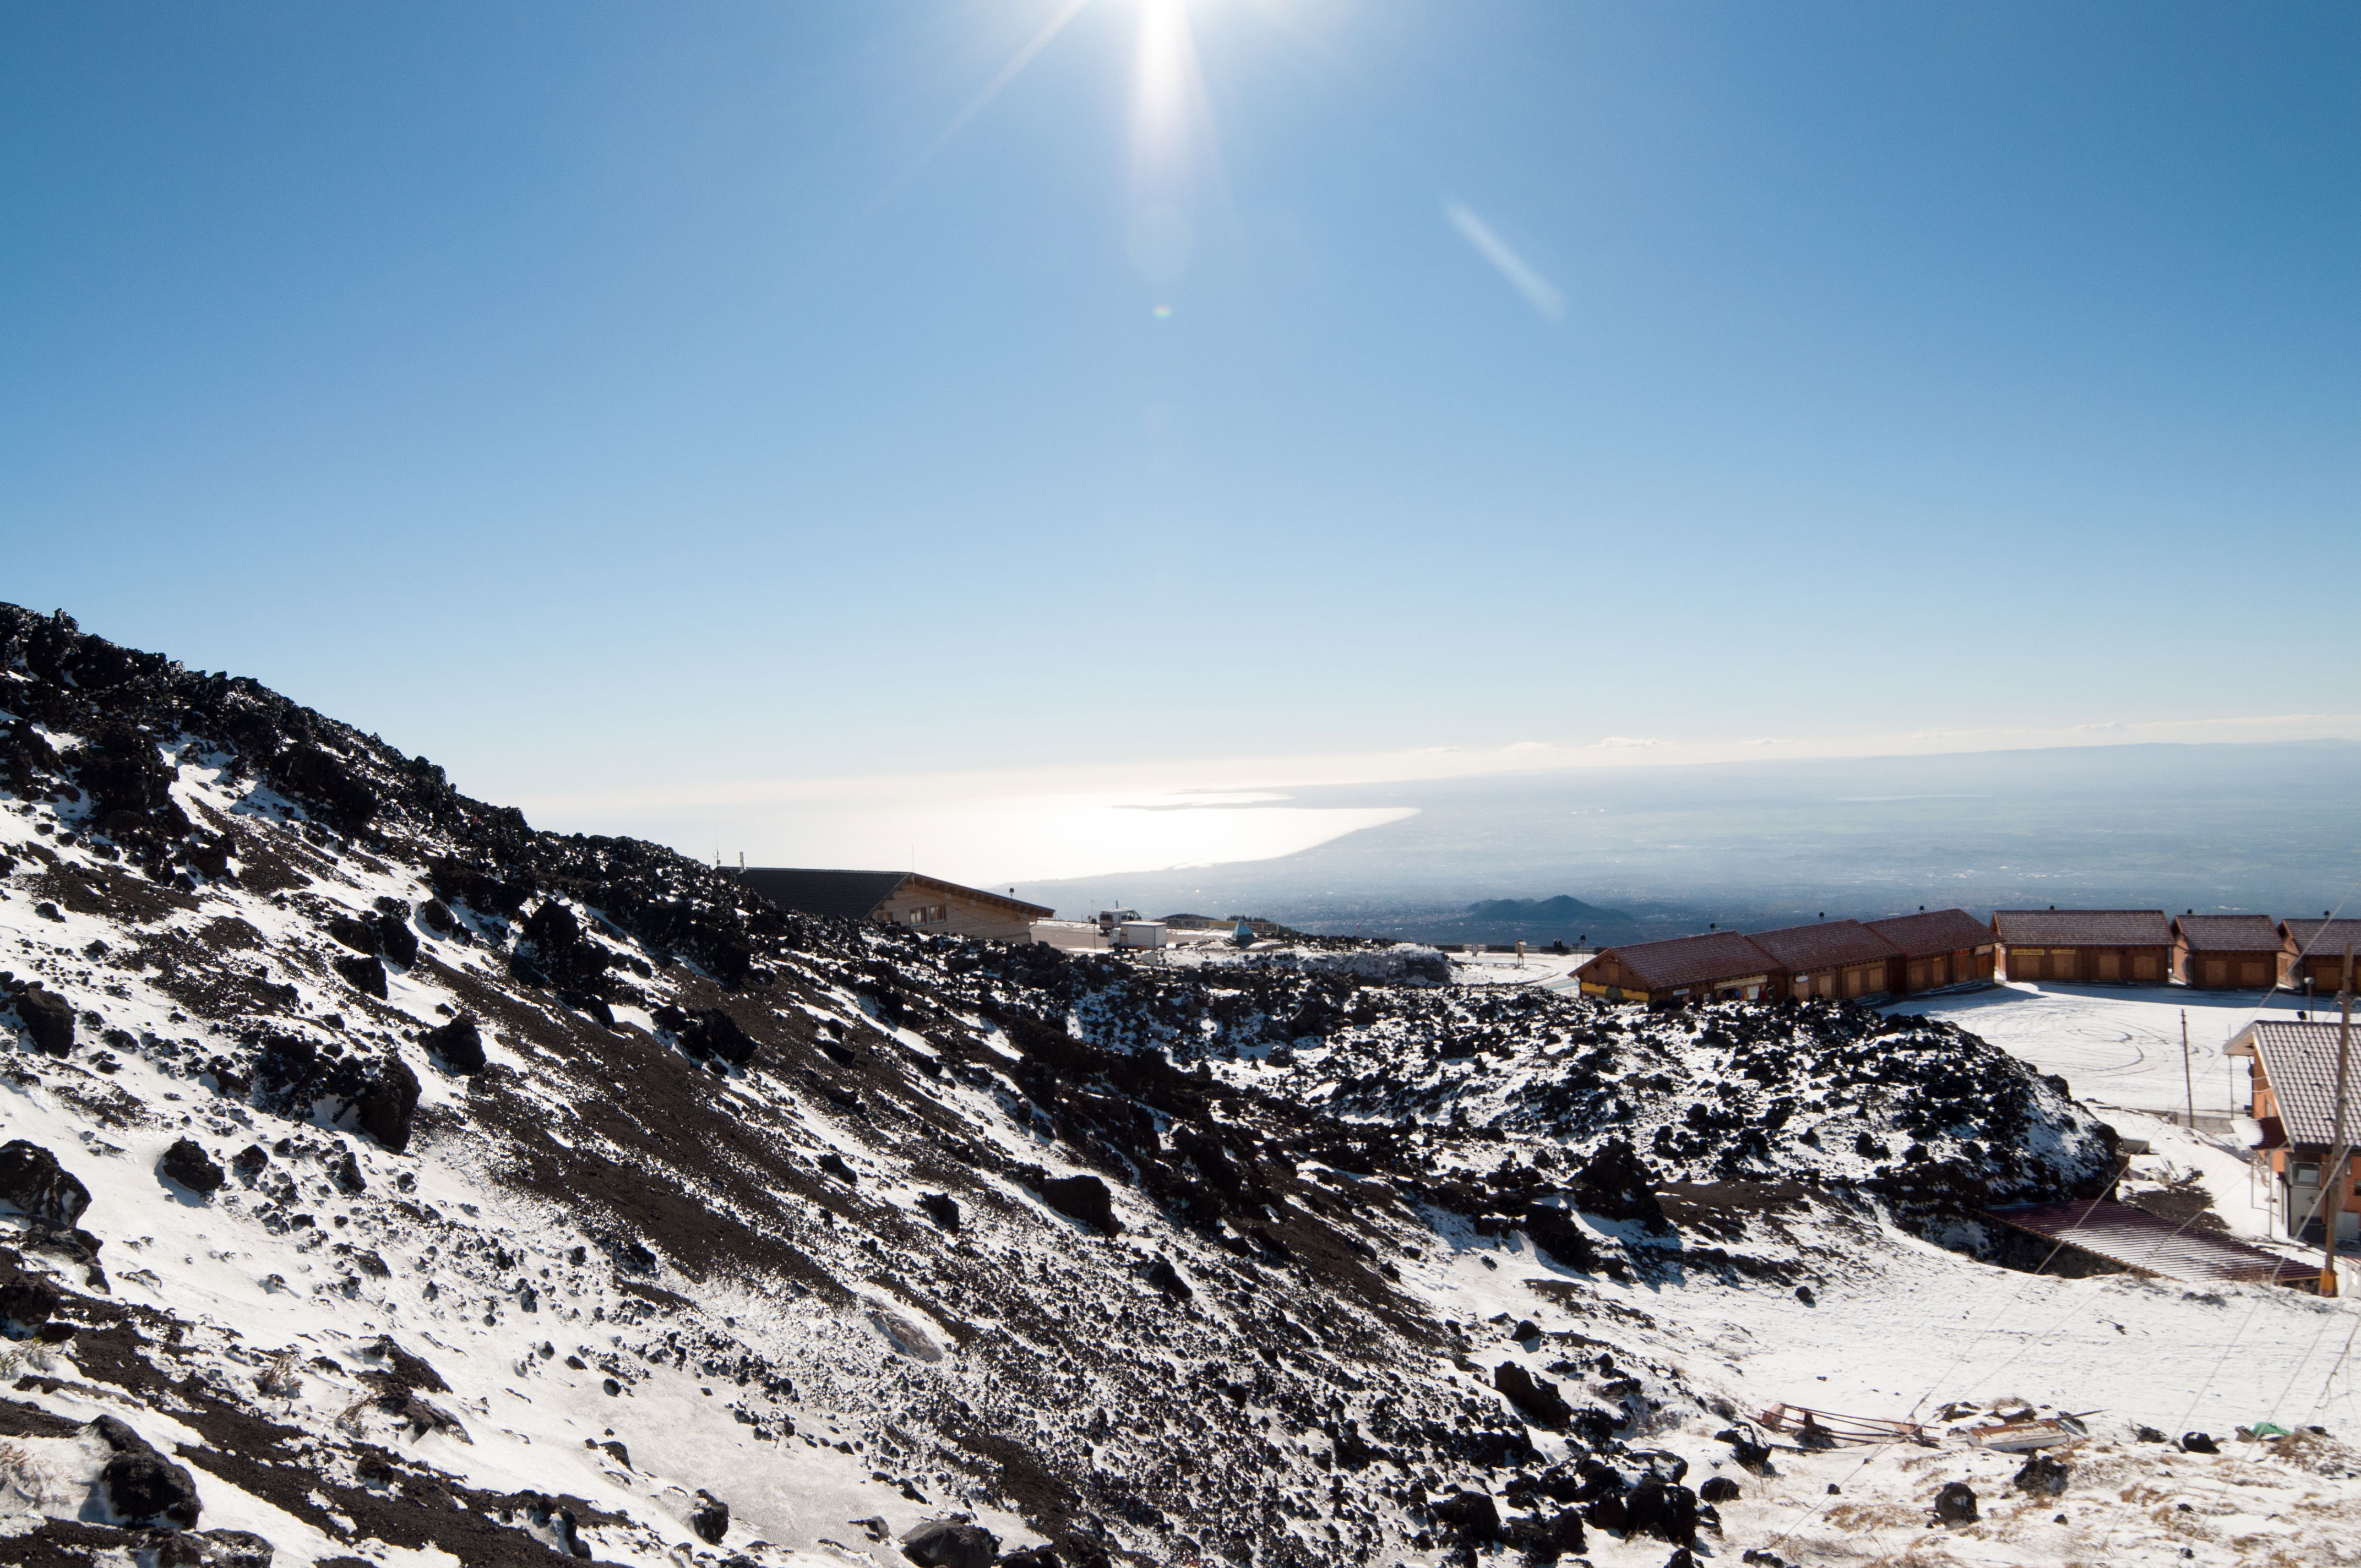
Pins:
<point x="35" y="1184"/>
<point x="941" y="1544"/>
<point x="1471" y="1518"/>
<point x="348" y="1176"/>
<point x="48" y="1018"/>
<point x="187" y="1162"/>
<point x="2198" y="1442"/>
<point x="1956" y="1503"/>
<point x="251" y="1160"/>
<point x="714" y="1033"/>
<point x="365" y="975"/>
<point x="1083" y="1198"/>
<point x="1166" y="1279"/>
<point x="460" y="1045"/>
<point x="389" y="1106"/>
<point x="1719" y="1489"/>
<point x="710" y="1518"/>
<point x="1536" y="1400"/>
<point x="941" y="1208"/>
<point x="2042" y="1475"/>
<point x="833" y="1163"/>
<point x="143" y="1488"/>
<point x="1616" y="1184"/>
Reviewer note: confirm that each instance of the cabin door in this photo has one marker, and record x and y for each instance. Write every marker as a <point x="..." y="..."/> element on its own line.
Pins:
<point x="2111" y="966"/>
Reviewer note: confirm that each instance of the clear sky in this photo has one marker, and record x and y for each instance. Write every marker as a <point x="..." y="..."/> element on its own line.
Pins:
<point x="663" y="403"/>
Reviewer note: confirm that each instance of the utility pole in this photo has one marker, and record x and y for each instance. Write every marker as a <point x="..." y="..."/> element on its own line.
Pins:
<point x="2338" y="1172"/>
<point x="2188" y="1076"/>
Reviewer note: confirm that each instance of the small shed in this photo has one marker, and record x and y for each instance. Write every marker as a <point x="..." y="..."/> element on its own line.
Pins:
<point x="1940" y="948"/>
<point x="2316" y="953"/>
<point x="2293" y="1079"/>
<point x="1833" y="957"/>
<point x="2228" y="952"/>
<point x="2108" y="947"/>
<point x="897" y="898"/>
<point x="1718" y="963"/>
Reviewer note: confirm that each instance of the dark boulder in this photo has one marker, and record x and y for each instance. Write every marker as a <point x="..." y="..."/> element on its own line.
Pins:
<point x="1616" y="1183"/>
<point x="1956" y="1503"/>
<point x="1534" y="1398"/>
<point x="714" y="1033"/>
<point x="1553" y="1231"/>
<point x="1719" y="1489"/>
<point x="187" y="1162"/>
<point x="1665" y="1510"/>
<point x="1084" y="1199"/>
<point x="1166" y="1279"/>
<point x="48" y="1018"/>
<point x="833" y="1164"/>
<point x="436" y="916"/>
<point x="1473" y="1518"/>
<point x="395" y="939"/>
<point x="710" y="1518"/>
<point x="27" y="1300"/>
<point x="460" y="1043"/>
<point x="352" y="931"/>
<point x="348" y="1177"/>
<point x="364" y="974"/>
<point x="33" y="1182"/>
<point x="571" y="960"/>
<point x="323" y="786"/>
<point x="251" y="1160"/>
<point x="2198" y="1442"/>
<point x="946" y="1543"/>
<point x="226" y="1549"/>
<point x="389" y="1106"/>
<point x="941" y="1208"/>
<point x="143" y="1488"/>
<point x="2042" y="1475"/>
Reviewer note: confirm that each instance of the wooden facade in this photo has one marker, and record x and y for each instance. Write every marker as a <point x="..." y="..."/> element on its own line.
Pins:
<point x="1940" y="947"/>
<point x="2316" y="952"/>
<point x="2085" y="947"/>
<point x="2228" y="952"/>
<point x="2293" y="1079"/>
<point x="1831" y="959"/>
<point x="897" y="898"/>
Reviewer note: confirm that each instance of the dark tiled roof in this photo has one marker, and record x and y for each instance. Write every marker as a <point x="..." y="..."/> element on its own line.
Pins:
<point x="1801" y="948"/>
<point x="2300" y="1061"/>
<point x="2324" y="939"/>
<point x="2084" y="928"/>
<point x="2229" y="933"/>
<point x="984" y="895"/>
<point x="1935" y="931"/>
<point x="846" y="895"/>
<point x="1692" y="960"/>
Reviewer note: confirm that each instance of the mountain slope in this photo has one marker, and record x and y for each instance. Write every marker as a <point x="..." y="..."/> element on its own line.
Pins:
<point x="396" y="1183"/>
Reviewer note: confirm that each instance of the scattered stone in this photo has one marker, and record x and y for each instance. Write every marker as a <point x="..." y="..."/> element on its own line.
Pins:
<point x="460" y="1043"/>
<point x="1472" y="1518"/>
<point x="941" y="1208"/>
<point x="2198" y="1442"/>
<point x="365" y="975"/>
<point x="1955" y="1504"/>
<point x="2042" y="1475"/>
<point x="251" y="1160"/>
<point x="833" y="1164"/>
<point x="389" y="1106"/>
<point x="710" y="1518"/>
<point x="1084" y="1199"/>
<point x="33" y="1182"/>
<point x="187" y="1162"/>
<point x="946" y="1543"/>
<point x="1161" y="1273"/>
<point x="48" y="1018"/>
<point x="1719" y="1489"/>
<point x="348" y="1177"/>
<point x="1534" y="1398"/>
<point x="143" y="1488"/>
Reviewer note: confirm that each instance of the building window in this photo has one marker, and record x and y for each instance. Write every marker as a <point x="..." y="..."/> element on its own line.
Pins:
<point x="2304" y="1173"/>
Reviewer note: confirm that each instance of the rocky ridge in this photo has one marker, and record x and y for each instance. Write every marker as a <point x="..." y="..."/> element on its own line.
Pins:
<point x="395" y="1177"/>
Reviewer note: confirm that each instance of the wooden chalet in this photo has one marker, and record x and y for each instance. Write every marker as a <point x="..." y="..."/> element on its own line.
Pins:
<point x="2228" y="952"/>
<point x="897" y="898"/>
<point x="1940" y="948"/>
<point x="2107" y="947"/>
<point x="1833" y="957"/>
<point x="1694" y="968"/>
<point x="2316" y="952"/>
<point x="2292" y="1074"/>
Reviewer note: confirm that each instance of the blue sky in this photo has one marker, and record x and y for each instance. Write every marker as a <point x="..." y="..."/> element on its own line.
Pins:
<point x="626" y="399"/>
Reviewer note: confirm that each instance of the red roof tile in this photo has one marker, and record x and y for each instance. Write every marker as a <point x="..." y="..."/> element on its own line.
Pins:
<point x="1679" y="961"/>
<point x="1802" y="948"/>
<point x="2084" y="928"/>
<point x="1935" y="931"/>
<point x="2229" y="933"/>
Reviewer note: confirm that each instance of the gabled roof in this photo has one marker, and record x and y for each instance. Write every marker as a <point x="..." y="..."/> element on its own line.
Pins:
<point x="1692" y="960"/>
<point x="1802" y="948"/>
<point x="2084" y="928"/>
<point x="1014" y="904"/>
<point x="1935" y="931"/>
<point x="2299" y="1062"/>
<point x="843" y="896"/>
<point x="2324" y="939"/>
<point x="2229" y="933"/>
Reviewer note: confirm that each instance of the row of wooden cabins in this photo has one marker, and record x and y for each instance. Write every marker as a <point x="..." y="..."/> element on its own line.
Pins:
<point x="1859" y="961"/>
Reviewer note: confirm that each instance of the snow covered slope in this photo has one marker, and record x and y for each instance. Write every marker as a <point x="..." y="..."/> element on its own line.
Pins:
<point x="384" y="1181"/>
